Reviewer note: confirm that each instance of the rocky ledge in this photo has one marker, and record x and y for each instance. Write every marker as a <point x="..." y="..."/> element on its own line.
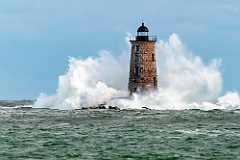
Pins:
<point x="101" y="106"/>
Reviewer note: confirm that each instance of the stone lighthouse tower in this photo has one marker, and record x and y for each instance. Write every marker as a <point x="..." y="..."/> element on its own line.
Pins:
<point x="143" y="71"/>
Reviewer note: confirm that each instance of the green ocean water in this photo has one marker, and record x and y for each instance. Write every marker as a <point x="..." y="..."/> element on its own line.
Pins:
<point x="27" y="133"/>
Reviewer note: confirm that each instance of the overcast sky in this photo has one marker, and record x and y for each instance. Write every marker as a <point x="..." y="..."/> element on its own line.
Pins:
<point x="38" y="36"/>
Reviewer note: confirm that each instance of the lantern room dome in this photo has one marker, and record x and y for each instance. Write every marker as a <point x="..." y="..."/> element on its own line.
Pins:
<point x="142" y="28"/>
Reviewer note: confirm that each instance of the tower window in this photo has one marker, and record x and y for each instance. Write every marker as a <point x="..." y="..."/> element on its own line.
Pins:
<point x="153" y="58"/>
<point x="136" y="48"/>
<point x="155" y="81"/>
<point x="136" y="57"/>
<point x="136" y="71"/>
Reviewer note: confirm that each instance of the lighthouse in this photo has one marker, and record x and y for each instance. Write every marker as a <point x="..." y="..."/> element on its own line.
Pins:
<point x="143" y="71"/>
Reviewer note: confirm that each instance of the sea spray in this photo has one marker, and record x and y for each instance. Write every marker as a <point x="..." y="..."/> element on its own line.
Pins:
<point x="84" y="83"/>
<point x="230" y="100"/>
<point x="183" y="73"/>
<point x="185" y="82"/>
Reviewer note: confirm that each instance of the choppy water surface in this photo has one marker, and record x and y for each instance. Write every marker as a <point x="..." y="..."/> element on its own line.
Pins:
<point x="28" y="133"/>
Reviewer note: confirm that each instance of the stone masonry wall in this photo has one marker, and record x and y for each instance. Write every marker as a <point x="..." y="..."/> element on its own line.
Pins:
<point x="143" y="71"/>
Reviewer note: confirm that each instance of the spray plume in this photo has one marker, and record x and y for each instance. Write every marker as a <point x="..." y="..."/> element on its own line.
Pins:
<point x="185" y="82"/>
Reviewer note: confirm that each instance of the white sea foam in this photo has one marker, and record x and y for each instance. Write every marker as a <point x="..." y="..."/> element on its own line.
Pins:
<point x="88" y="82"/>
<point x="185" y="82"/>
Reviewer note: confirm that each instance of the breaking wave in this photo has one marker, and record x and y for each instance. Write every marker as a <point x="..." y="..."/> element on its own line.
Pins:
<point x="184" y="82"/>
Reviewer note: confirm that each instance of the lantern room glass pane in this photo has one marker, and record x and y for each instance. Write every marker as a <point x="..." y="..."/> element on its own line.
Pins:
<point x="142" y="33"/>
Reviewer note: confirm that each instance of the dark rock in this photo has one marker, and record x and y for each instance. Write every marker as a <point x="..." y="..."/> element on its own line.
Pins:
<point x="146" y="108"/>
<point x="102" y="106"/>
<point x="116" y="108"/>
<point x="86" y="107"/>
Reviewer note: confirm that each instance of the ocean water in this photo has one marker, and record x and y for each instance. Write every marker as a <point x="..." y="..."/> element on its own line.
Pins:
<point x="30" y="133"/>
